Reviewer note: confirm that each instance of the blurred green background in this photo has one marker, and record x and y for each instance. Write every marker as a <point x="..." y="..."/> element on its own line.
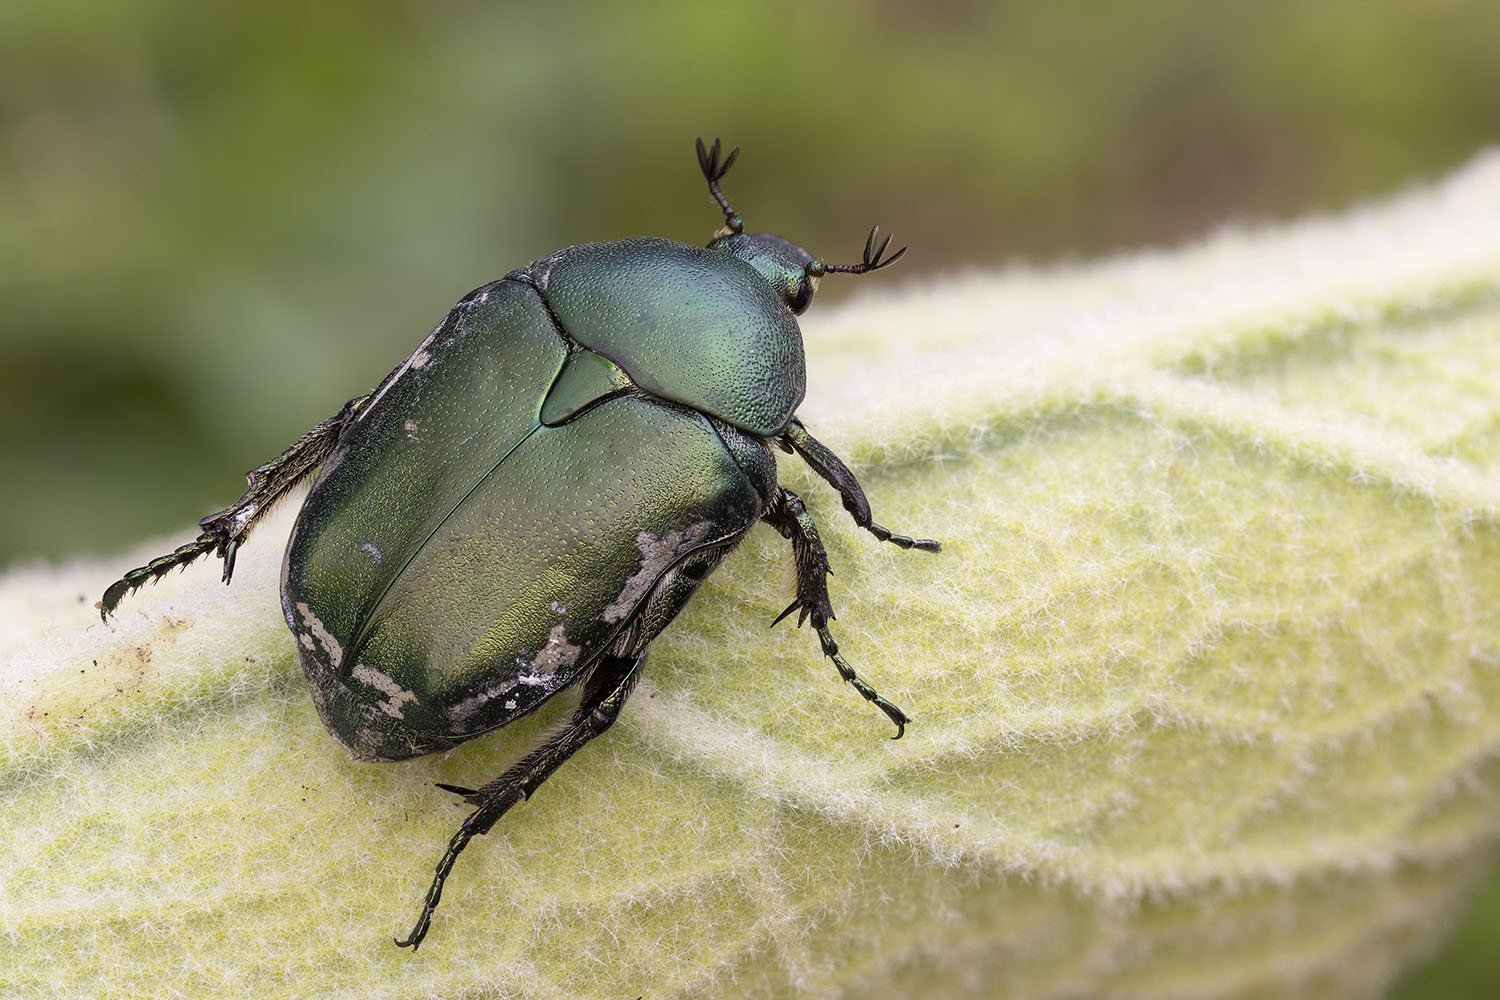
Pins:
<point x="220" y="221"/>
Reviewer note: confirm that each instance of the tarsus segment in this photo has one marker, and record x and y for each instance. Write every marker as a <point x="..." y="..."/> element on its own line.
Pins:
<point x="832" y="468"/>
<point x="789" y="516"/>
<point x="225" y="531"/>
<point x="604" y="694"/>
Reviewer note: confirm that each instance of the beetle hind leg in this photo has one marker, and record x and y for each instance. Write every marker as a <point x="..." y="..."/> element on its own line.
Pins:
<point x="832" y="468"/>
<point x="789" y="516"/>
<point x="225" y="531"/>
<point x="608" y="684"/>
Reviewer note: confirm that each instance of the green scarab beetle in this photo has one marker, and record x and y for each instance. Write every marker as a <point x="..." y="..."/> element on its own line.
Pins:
<point x="533" y="495"/>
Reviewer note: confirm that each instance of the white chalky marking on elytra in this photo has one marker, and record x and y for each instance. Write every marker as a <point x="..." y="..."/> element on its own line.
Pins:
<point x="313" y="625"/>
<point x="657" y="553"/>
<point x="396" y="695"/>
<point x="558" y="652"/>
<point x="420" y="359"/>
<point x="374" y="551"/>
<point x="460" y="713"/>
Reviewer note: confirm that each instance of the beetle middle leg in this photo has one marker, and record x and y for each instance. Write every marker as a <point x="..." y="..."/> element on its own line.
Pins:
<point x="223" y="532"/>
<point x="604" y="694"/>
<point x="832" y="468"/>
<point x="789" y="516"/>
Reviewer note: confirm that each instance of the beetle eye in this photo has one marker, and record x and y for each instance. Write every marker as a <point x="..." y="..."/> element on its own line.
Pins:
<point x="802" y="297"/>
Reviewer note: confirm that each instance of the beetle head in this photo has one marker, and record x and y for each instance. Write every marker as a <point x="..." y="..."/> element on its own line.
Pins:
<point x="790" y="270"/>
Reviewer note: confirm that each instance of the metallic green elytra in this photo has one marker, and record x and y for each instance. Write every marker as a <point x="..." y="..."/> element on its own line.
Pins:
<point x="529" y="499"/>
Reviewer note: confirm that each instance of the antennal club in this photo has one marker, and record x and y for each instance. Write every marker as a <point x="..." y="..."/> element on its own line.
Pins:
<point x="872" y="260"/>
<point x="714" y="171"/>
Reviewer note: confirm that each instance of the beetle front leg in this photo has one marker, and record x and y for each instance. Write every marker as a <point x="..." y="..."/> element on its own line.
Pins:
<point x="604" y="694"/>
<point x="225" y="531"/>
<point x="832" y="468"/>
<point x="789" y="516"/>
